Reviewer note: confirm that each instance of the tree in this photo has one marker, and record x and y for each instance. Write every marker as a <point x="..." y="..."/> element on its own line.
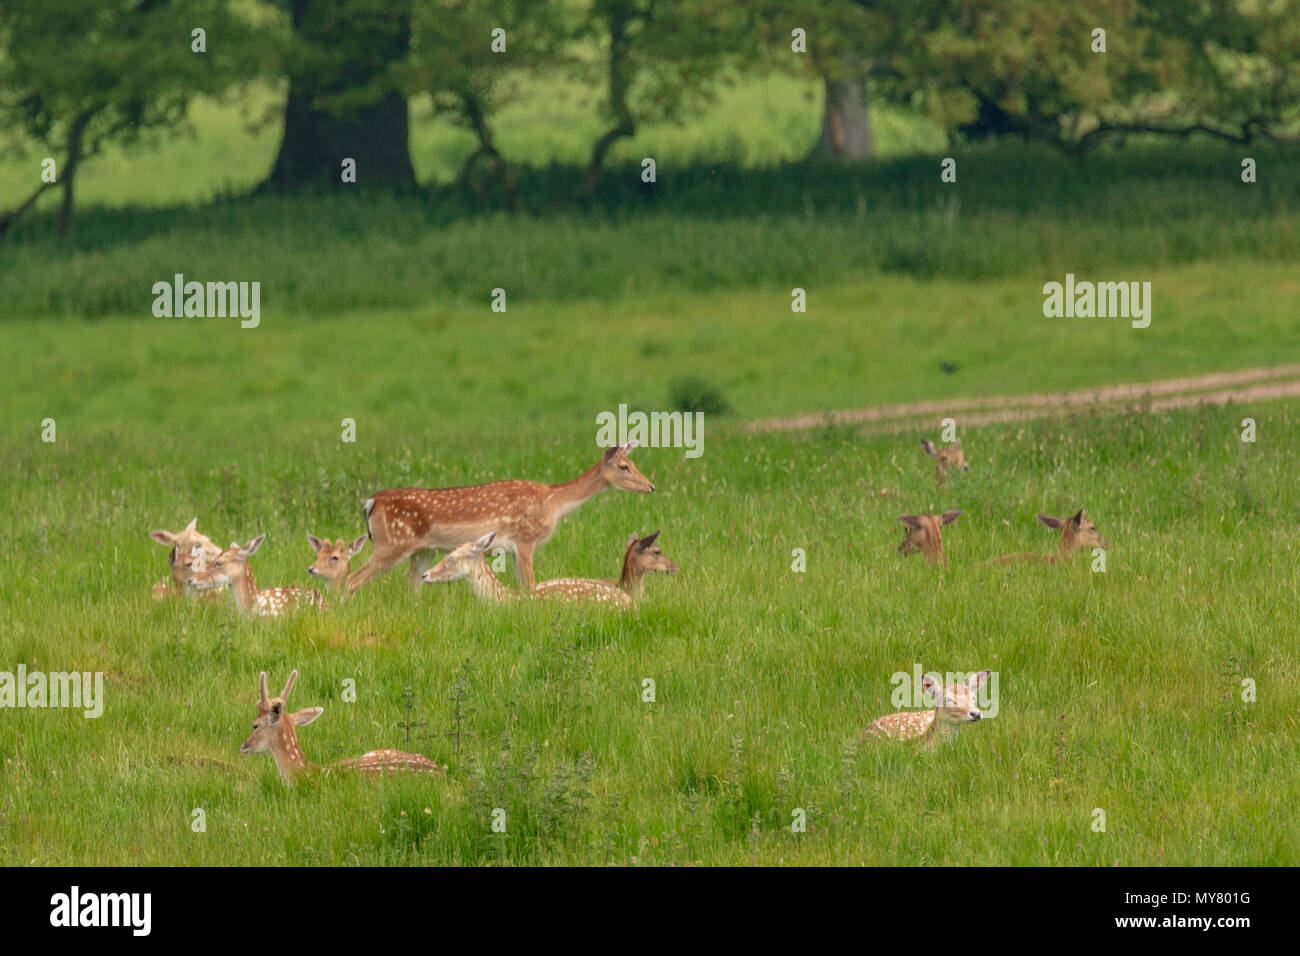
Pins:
<point x="344" y="60"/>
<point x="472" y="55"/>
<point x="657" y="59"/>
<point x="78" y="75"/>
<point x="1222" y="69"/>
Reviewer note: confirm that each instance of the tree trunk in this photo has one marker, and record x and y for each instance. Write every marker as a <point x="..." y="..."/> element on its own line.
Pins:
<point x="846" y="128"/>
<point x="75" y="134"/>
<point x="624" y="124"/>
<point x="318" y="137"/>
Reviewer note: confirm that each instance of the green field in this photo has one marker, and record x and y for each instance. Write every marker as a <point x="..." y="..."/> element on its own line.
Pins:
<point x="1120" y="691"/>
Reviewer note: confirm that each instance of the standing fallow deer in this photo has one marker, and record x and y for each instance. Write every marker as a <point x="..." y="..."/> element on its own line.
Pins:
<point x="923" y="534"/>
<point x="946" y="458"/>
<point x="230" y="569"/>
<point x="333" y="562"/>
<point x="523" y="514"/>
<point x="955" y="705"/>
<point x="274" y="731"/>
<point x="1077" y="533"/>
<point x="642" y="555"/>
<point x="183" y="544"/>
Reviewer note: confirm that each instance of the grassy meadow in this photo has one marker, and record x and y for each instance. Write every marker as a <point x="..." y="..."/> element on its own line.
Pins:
<point x="1119" y="691"/>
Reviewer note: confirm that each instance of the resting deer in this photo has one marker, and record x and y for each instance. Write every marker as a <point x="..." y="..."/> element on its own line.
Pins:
<point x="524" y="514"/>
<point x="1077" y="533"/>
<point x="642" y="556"/>
<point x="182" y="544"/>
<point x="955" y="705"/>
<point x="333" y="562"/>
<point x="947" y="457"/>
<point x="230" y="569"/>
<point x="274" y="731"/>
<point x="923" y="534"/>
<point x="465" y="562"/>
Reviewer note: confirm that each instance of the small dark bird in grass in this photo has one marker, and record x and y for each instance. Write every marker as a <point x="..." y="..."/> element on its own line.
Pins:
<point x="949" y="367"/>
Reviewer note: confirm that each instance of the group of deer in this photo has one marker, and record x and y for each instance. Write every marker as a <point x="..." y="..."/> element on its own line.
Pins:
<point x="955" y="704"/>
<point x="924" y="532"/>
<point x="408" y="523"/>
<point x="515" y="516"/>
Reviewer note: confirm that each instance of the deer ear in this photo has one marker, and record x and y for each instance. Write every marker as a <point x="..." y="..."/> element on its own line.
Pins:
<point x="250" y="549"/>
<point x="315" y="542"/>
<point x="276" y="711"/>
<point x="485" y="542"/>
<point x="305" y="716"/>
<point x="627" y="449"/>
<point x="1049" y="521"/>
<point x="1077" y="519"/>
<point x="948" y="517"/>
<point x="163" y="537"/>
<point x="610" y="452"/>
<point x="910" y="520"/>
<point x="648" y="540"/>
<point x="930" y="685"/>
<point x="192" y="526"/>
<point x="929" y="448"/>
<point x="358" y="544"/>
<point x="976" y="681"/>
<point x="631" y="539"/>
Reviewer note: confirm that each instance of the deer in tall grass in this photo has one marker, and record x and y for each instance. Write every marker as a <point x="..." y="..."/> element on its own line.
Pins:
<point x="230" y="569"/>
<point x="275" y="732"/>
<point x="183" y="557"/>
<point x="946" y="458"/>
<point x="524" y="514"/>
<point x="1077" y="534"/>
<point x="924" y="535"/>
<point x="333" y="562"/>
<point x="955" y="706"/>
<point x="642" y="556"/>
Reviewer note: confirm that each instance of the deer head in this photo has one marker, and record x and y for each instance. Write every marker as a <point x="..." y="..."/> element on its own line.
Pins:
<point x="1077" y="533"/>
<point x="461" y="562"/>
<point x="274" y="729"/>
<point x="947" y="457"/>
<point x="923" y="534"/>
<point x="228" y="568"/>
<point x="616" y="468"/>
<point x="955" y="704"/>
<point x="187" y="545"/>
<point x="644" y="556"/>
<point x="332" y="560"/>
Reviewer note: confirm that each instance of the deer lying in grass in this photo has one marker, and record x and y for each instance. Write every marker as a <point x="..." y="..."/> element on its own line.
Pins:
<point x="955" y="705"/>
<point x="274" y="731"/>
<point x="947" y="457"/>
<point x="183" y="544"/>
<point x="333" y="562"/>
<point x="1077" y="533"/>
<point x="524" y="514"/>
<point x="642" y="556"/>
<point x="466" y="562"/>
<point x="923" y="534"/>
<point x="230" y="569"/>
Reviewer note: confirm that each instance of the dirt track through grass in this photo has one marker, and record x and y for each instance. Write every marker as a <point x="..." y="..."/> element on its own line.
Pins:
<point x="1217" y="388"/>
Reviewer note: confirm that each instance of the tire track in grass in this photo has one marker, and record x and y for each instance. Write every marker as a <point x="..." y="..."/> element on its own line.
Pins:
<point x="1215" y="388"/>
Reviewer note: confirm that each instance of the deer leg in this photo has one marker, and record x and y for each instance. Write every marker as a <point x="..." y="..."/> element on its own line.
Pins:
<point x="380" y="561"/>
<point x="421" y="561"/>
<point x="524" y="564"/>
